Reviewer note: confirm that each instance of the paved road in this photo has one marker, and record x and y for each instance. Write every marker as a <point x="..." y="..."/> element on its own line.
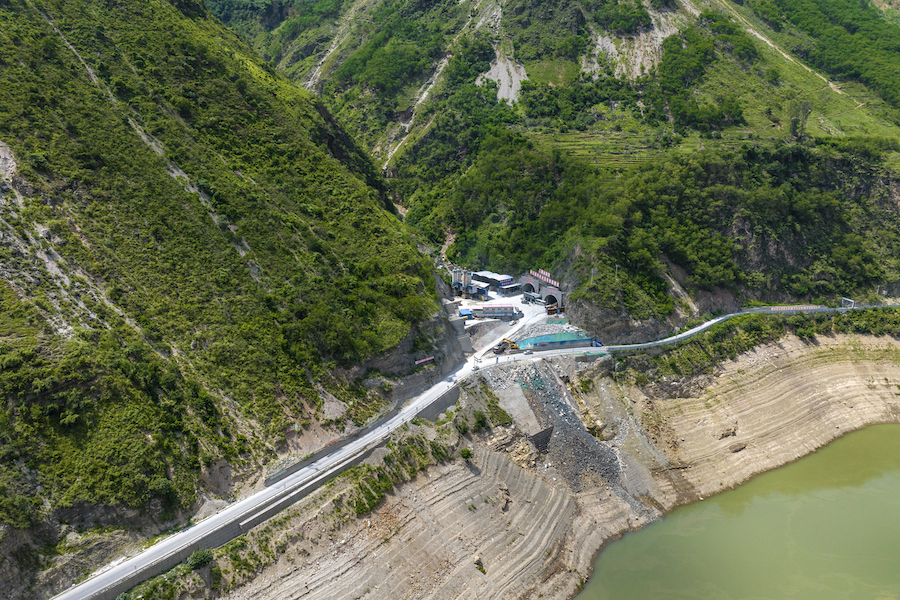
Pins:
<point x="765" y="310"/>
<point x="313" y="475"/>
<point x="296" y="484"/>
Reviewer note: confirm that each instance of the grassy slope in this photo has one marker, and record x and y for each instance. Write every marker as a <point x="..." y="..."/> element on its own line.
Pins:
<point x="625" y="140"/>
<point x="200" y="319"/>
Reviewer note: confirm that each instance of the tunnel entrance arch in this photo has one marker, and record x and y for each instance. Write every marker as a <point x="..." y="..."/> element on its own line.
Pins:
<point x="538" y="286"/>
<point x="551" y="295"/>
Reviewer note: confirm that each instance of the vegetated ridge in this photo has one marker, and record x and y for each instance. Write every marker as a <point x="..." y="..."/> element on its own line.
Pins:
<point x="620" y="97"/>
<point x="196" y="260"/>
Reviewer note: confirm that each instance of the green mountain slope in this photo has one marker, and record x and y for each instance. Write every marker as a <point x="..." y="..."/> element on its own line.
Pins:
<point x="195" y="254"/>
<point x="374" y="66"/>
<point x="190" y="247"/>
<point x="616" y="97"/>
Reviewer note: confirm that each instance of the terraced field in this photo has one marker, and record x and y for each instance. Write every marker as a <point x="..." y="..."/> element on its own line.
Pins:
<point x="624" y="149"/>
<point x="771" y="91"/>
<point x="614" y="150"/>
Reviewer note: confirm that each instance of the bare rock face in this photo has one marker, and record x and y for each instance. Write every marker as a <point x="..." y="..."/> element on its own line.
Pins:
<point x="778" y="403"/>
<point x="8" y="166"/>
<point x="615" y="327"/>
<point x="23" y="186"/>
<point x="434" y="337"/>
<point x="11" y="541"/>
<point x="84" y="554"/>
<point x="508" y="75"/>
<point x="86" y="536"/>
<point x="618" y="327"/>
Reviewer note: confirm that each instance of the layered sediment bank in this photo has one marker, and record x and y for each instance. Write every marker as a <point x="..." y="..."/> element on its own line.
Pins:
<point x="526" y="515"/>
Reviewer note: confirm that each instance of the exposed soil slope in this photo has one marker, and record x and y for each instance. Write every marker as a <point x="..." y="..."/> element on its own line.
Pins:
<point x="780" y="403"/>
<point x="533" y="518"/>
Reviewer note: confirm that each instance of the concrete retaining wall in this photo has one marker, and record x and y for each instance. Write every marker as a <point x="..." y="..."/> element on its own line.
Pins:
<point x="445" y="401"/>
<point x="293" y="468"/>
<point x="591" y="356"/>
<point x="161" y="566"/>
<point x="279" y="504"/>
<point x="465" y="342"/>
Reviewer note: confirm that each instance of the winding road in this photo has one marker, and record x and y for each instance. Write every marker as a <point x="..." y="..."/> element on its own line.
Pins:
<point x="245" y="514"/>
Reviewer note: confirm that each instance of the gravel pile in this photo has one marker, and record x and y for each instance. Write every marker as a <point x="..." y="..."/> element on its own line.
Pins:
<point x="581" y="459"/>
<point x="501" y="379"/>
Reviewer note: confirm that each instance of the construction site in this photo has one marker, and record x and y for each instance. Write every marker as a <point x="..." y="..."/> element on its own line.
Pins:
<point x="535" y="287"/>
<point x="574" y="452"/>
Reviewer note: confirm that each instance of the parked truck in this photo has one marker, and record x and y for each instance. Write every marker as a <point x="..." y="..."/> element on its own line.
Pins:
<point x="505" y="345"/>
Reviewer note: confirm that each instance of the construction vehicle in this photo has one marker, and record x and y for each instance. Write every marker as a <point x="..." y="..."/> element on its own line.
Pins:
<point x="505" y="345"/>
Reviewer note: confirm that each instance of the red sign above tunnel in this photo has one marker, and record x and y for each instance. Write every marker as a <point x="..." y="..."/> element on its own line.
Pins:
<point x="545" y="277"/>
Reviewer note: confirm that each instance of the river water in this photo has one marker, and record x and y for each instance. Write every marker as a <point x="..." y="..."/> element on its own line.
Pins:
<point x="825" y="527"/>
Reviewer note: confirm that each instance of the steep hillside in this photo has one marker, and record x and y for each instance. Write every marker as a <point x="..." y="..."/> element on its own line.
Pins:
<point x="383" y="64"/>
<point x="202" y="269"/>
<point x="532" y="134"/>
<point x="194" y="256"/>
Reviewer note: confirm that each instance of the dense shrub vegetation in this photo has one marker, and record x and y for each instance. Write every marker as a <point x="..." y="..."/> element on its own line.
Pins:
<point x="274" y="26"/>
<point x="787" y="219"/>
<point x="396" y="55"/>
<point x="546" y="29"/>
<point x="100" y="418"/>
<point x="623" y="18"/>
<point x="791" y="218"/>
<point x="288" y="260"/>
<point x="685" y="59"/>
<point x="852" y="40"/>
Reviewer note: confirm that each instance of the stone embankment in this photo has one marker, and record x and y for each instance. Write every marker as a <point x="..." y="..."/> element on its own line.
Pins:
<point x="524" y="520"/>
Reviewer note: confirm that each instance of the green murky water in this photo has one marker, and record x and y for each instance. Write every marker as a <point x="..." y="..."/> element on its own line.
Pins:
<point x="827" y="526"/>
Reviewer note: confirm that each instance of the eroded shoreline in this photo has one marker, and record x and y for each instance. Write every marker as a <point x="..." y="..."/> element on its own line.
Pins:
<point x="517" y="521"/>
